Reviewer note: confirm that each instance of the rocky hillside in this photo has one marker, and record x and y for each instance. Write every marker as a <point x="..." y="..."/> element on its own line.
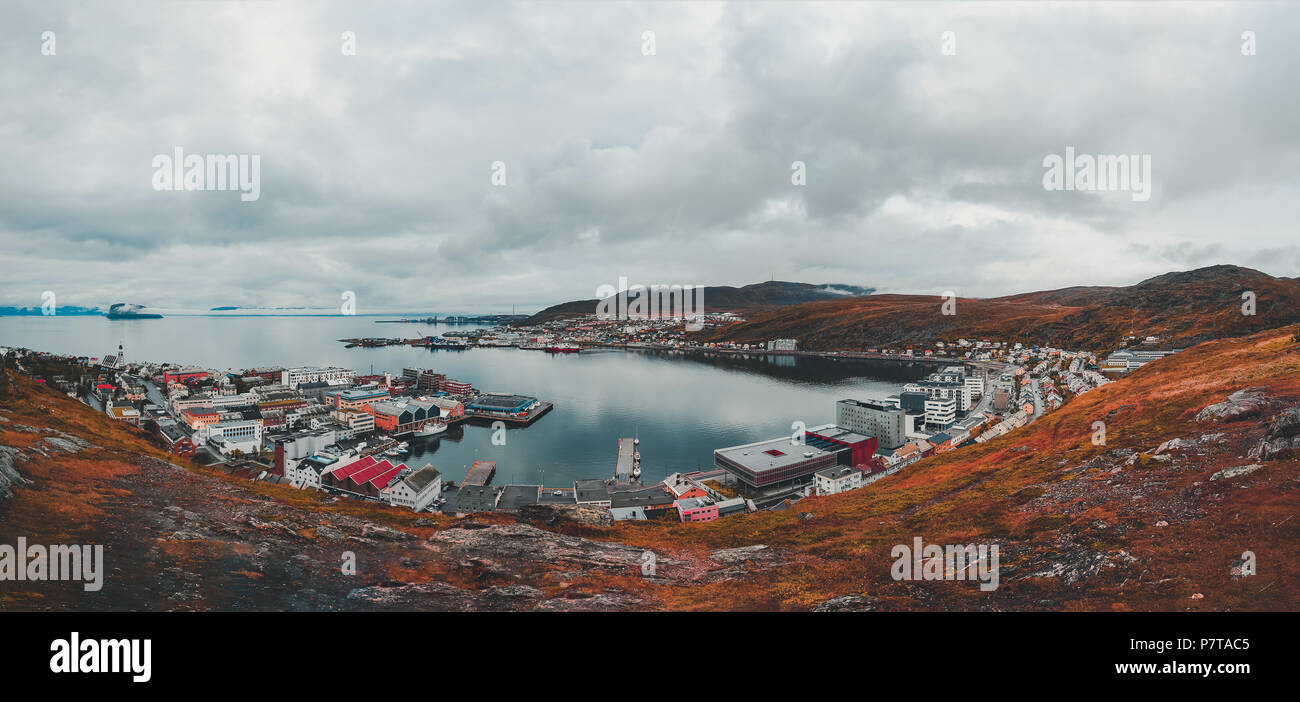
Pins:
<point x="748" y="299"/>
<point x="1182" y="308"/>
<point x="1198" y="467"/>
<point x="178" y="537"/>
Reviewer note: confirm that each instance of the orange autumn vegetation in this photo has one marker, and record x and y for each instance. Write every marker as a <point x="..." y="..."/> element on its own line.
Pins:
<point x="1037" y="491"/>
<point x="981" y="494"/>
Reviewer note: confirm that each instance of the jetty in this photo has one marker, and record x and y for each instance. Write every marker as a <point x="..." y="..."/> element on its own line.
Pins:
<point x="481" y="473"/>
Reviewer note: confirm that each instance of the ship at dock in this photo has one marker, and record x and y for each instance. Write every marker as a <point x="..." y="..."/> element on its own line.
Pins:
<point x="430" y="429"/>
<point x="563" y="348"/>
<point x="438" y="342"/>
<point x="125" y="310"/>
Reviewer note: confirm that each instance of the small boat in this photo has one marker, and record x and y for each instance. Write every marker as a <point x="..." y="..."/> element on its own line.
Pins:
<point x="430" y="429"/>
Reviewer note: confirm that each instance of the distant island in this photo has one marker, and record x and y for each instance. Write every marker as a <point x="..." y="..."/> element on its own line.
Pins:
<point x="125" y="310"/>
<point x="68" y="311"/>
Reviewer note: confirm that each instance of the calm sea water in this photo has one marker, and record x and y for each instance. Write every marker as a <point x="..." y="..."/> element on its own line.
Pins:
<point x="682" y="408"/>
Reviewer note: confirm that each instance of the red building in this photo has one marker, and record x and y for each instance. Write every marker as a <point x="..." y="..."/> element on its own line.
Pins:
<point x="185" y="375"/>
<point x="184" y="448"/>
<point x="861" y="448"/>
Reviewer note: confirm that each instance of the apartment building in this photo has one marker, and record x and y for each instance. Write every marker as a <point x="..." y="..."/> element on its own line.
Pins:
<point x="293" y="377"/>
<point x="873" y="418"/>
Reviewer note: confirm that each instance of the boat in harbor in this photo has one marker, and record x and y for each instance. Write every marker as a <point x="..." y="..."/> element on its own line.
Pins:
<point x="563" y="348"/>
<point x="430" y="429"/>
<point x="438" y="342"/>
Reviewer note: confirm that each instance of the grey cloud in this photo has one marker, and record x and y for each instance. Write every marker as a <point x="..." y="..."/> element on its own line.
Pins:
<point x="924" y="171"/>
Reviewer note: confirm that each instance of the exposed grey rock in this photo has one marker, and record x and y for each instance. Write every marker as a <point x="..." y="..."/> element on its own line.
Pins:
<point x="442" y="596"/>
<point x="1283" y="436"/>
<point x="743" y="553"/>
<point x="9" y="475"/>
<point x="507" y="548"/>
<point x="1238" y="471"/>
<point x="586" y="515"/>
<point x="1174" y="445"/>
<point x="1243" y="403"/>
<point x="375" y="531"/>
<point x="331" y="533"/>
<point x="66" y="444"/>
<point x="847" y="603"/>
<point x="603" y="602"/>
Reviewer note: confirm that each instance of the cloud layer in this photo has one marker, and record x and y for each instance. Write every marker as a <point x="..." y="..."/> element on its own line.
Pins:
<point x="924" y="170"/>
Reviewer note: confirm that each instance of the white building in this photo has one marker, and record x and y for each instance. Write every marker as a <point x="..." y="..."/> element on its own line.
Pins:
<point x="292" y="377"/>
<point x="832" y="481"/>
<point x="940" y="412"/>
<point x="416" y="490"/>
<point x="294" y="448"/>
<point x="228" y="437"/>
<point x="783" y="345"/>
<point x="941" y="390"/>
<point x="307" y="472"/>
<point x="975" y="386"/>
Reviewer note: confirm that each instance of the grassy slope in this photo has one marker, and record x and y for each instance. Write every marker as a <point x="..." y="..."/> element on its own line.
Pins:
<point x="994" y="492"/>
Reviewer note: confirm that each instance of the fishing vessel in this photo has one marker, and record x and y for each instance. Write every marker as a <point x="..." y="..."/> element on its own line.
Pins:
<point x="563" y="348"/>
<point x="430" y="429"/>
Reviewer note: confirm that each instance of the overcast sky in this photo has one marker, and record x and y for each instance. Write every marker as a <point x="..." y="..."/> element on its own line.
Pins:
<point x="924" y="170"/>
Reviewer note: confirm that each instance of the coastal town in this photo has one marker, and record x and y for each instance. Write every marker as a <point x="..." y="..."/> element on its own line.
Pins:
<point x="348" y="434"/>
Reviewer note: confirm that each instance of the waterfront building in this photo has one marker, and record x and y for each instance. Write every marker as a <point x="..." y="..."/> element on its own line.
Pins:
<point x="515" y="497"/>
<point x="592" y="491"/>
<point x="649" y="501"/>
<point x="448" y="408"/>
<point x="502" y="404"/>
<point x="873" y="418"/>
<point x="416" y="490"/>
<point x="476" y="498"/>
<point x="772" y="462"/>
<point x="682" y="487"/>
<point x="400" y="419"/>
<point x="452" y="386"/>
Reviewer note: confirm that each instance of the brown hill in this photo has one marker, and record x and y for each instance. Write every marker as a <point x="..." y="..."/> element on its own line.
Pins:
<point x="725" y="298"/>
<point x="1181" y="308"/>
<point x="1198" y="468"/>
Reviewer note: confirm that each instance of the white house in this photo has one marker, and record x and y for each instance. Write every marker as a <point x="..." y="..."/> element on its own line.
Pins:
<point x="416" y="490"/>
<point x="832" y="481"/>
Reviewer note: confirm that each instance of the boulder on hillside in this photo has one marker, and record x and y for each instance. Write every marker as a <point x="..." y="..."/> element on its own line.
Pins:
<point x="1246" y="402"/>
<point x="550" y="515"/>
